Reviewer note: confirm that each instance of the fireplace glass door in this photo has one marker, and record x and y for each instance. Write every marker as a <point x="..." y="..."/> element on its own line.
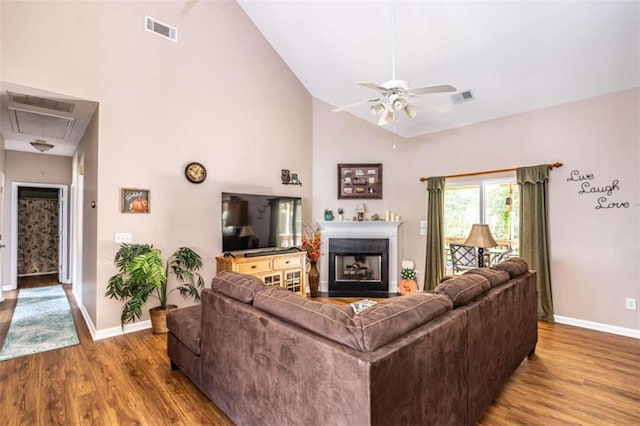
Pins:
<point x="358" y="268"/>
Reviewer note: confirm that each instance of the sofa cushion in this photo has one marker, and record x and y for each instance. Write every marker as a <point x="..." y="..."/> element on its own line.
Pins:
<point x="325" y="319"/>
<point x="495" y="276"/>
<point x="515" y="266"/>
<point x="185" y="324"/>
<point x="464" y="288"/>
<point x="395" y="317"/>
<point x="238" y="286"/>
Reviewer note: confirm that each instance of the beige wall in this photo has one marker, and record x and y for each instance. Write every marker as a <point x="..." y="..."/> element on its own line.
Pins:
<point x="86" y="181"/>
<point x="594" y="253"/>
<point x="220" y="96"/>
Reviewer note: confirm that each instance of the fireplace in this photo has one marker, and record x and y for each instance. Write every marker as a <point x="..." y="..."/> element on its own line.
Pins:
<point x="375" y="275"/>
<point x="359" y="267"/>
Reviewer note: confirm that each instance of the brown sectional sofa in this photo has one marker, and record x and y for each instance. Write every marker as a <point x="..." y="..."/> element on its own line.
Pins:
<point x="266" y="356"/>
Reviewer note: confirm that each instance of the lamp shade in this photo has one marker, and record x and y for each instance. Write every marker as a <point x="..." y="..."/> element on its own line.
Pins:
<point x="41" y="145"/>
<point x="246" y="231"/>
<point x="480" y="236"/>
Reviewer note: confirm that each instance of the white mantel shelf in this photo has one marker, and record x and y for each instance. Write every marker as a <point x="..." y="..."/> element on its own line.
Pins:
<point x="365" y="229"/>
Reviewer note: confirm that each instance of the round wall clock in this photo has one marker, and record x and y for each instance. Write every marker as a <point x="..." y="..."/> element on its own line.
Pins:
<point x="195" y="172"/>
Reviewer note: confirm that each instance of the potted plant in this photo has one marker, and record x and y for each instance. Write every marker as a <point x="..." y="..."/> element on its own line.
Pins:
<point x="142" y="274"/>
<point x="328" y="215"/>
<point x="340" y="214"/>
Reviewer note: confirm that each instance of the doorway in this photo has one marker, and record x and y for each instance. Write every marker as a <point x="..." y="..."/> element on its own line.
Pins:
<point x="39" y="234"/>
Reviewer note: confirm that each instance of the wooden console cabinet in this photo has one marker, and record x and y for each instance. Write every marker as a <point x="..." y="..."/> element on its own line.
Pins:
<point x="283" y="270"/>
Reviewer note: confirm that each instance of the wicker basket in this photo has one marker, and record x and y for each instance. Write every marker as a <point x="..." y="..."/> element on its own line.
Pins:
<point x="159" y="318"/>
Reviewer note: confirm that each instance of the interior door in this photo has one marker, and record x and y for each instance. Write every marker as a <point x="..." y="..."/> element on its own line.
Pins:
<point x="2" y="191"/>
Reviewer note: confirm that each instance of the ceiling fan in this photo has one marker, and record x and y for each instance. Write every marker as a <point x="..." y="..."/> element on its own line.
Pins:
<point x="395" y="95"/>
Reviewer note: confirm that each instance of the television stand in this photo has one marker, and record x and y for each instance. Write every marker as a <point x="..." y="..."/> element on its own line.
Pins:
<point x="279" y="268"/>
<point x="271" y="251"/>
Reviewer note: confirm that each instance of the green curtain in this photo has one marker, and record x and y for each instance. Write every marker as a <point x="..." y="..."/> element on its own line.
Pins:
<point x="434" y="270"/>
<point x="534" y="240"/>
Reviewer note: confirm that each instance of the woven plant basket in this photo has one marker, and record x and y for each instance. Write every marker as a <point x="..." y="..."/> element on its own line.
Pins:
<point x="159" y="318"/>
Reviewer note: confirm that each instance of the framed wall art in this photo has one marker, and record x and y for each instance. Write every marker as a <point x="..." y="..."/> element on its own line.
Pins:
<point x="358" y="181"/>
<point x="135" y="200"/>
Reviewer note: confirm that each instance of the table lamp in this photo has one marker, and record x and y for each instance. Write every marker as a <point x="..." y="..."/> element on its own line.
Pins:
<point x="480" y="236"/>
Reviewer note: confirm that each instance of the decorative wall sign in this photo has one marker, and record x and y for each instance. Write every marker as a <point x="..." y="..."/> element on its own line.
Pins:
<point x="135" y="200"/>
<point x="587" y="187"/>
<point x="358" y="181"/>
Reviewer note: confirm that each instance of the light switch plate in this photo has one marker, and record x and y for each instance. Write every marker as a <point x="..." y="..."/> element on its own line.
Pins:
<point x="123" y="237"/>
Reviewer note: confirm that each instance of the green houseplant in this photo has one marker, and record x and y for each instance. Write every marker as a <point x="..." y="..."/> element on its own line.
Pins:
<point x="142" y="274"/>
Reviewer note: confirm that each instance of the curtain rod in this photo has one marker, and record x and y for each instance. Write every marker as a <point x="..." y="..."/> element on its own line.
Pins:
<point x="551" y="166"/>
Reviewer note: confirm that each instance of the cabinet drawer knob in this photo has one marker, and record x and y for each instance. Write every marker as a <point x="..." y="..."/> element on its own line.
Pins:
<point x="254" y="266"/>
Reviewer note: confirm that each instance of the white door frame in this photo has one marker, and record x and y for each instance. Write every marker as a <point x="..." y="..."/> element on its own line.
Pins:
<point x="2" y="192"/>
<point x="64" y="230"/>
<point x="76" y="203"/>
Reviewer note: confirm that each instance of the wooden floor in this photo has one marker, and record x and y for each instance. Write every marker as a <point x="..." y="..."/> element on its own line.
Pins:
<point x="577" y="377"/>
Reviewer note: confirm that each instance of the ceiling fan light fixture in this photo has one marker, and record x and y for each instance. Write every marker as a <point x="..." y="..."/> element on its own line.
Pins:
<point x="41" y="145"/>
<point x="397" y="105"/>
<point x="377" y="109"/>
<point x="411" y="110"/>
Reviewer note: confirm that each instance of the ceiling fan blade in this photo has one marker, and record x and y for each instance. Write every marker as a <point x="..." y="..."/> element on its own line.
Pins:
<point x="342" y="108"/>
<point x="425" y="90"/>
<point x="433" y="105"/>
<point x="373" y="86"/>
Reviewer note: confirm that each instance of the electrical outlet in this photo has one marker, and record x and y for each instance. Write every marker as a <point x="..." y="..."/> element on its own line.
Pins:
<point x="631" y="304"/>
<point x="123" y="237"/>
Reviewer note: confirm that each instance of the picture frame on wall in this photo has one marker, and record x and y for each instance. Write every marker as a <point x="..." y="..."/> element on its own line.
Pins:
<point x="360" y="181"/>
<point x="135" y="200"/>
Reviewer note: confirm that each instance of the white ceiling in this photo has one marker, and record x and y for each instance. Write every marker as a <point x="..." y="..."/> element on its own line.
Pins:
<point x="62" y="129"/>
<point x="514" y="56"/>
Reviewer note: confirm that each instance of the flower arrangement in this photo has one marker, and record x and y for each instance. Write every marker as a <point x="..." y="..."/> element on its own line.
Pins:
<point x="311" y="243"/>
<point x="408" y="272"/>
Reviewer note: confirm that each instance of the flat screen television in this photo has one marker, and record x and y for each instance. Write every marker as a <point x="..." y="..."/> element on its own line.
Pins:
<point x="254" y="222"/>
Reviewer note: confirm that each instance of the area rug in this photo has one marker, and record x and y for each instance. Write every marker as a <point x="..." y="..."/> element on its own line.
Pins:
<point x="41" y="322"/>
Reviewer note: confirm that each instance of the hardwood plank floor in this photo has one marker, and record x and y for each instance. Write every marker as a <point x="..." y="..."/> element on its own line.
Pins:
<point x="577" y="376"/>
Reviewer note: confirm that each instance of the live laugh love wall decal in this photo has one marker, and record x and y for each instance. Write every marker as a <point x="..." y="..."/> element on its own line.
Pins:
<point x="587" y="187"/>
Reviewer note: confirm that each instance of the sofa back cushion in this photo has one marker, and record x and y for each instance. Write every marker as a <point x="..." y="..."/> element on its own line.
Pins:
<point x="326" y="319"/>
<point x="495" y="276"/>
<point x="238" y="286"/>
<point x="392" y="318"/>
<point x="367" y="331"/>
<point x="515" y="266"/>
<point x="463" y="288"/>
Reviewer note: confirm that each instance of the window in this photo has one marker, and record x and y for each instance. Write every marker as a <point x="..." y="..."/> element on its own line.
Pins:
<point x="491" y="201"/>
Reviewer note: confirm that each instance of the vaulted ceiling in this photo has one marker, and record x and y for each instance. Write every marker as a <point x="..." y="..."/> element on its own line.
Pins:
<point x="513" y="56"/>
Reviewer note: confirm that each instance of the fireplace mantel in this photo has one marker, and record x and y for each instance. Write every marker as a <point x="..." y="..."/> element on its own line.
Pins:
<point x="367" y="229"/>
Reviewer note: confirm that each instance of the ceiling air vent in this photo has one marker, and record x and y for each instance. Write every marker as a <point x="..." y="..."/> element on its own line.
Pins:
<point x="462" y="97"/>
<point x="52" y="104"/>
<point x="160" y="28"/>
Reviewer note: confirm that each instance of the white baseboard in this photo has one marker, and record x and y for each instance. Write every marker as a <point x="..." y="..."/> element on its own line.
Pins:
<point x="613" y="329"/>
<point x="113" y="331"/>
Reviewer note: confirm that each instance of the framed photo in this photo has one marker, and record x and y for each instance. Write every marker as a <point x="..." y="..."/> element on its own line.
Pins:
<point x="356" y="181"/>
<point x="135" y="200"/>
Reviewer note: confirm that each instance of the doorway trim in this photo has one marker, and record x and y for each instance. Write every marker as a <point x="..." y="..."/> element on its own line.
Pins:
<point x="63" y="256"/>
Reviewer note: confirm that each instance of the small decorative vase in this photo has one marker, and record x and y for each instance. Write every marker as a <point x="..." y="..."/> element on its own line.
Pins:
<point x="328" y="217"/>
<point x="314" y="279"/>
<point x="340" y="217"/>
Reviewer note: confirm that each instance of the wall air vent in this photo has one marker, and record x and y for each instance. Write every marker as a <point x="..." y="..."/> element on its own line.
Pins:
<point x="161" y="29"/>
<point x="461" y="97"/>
